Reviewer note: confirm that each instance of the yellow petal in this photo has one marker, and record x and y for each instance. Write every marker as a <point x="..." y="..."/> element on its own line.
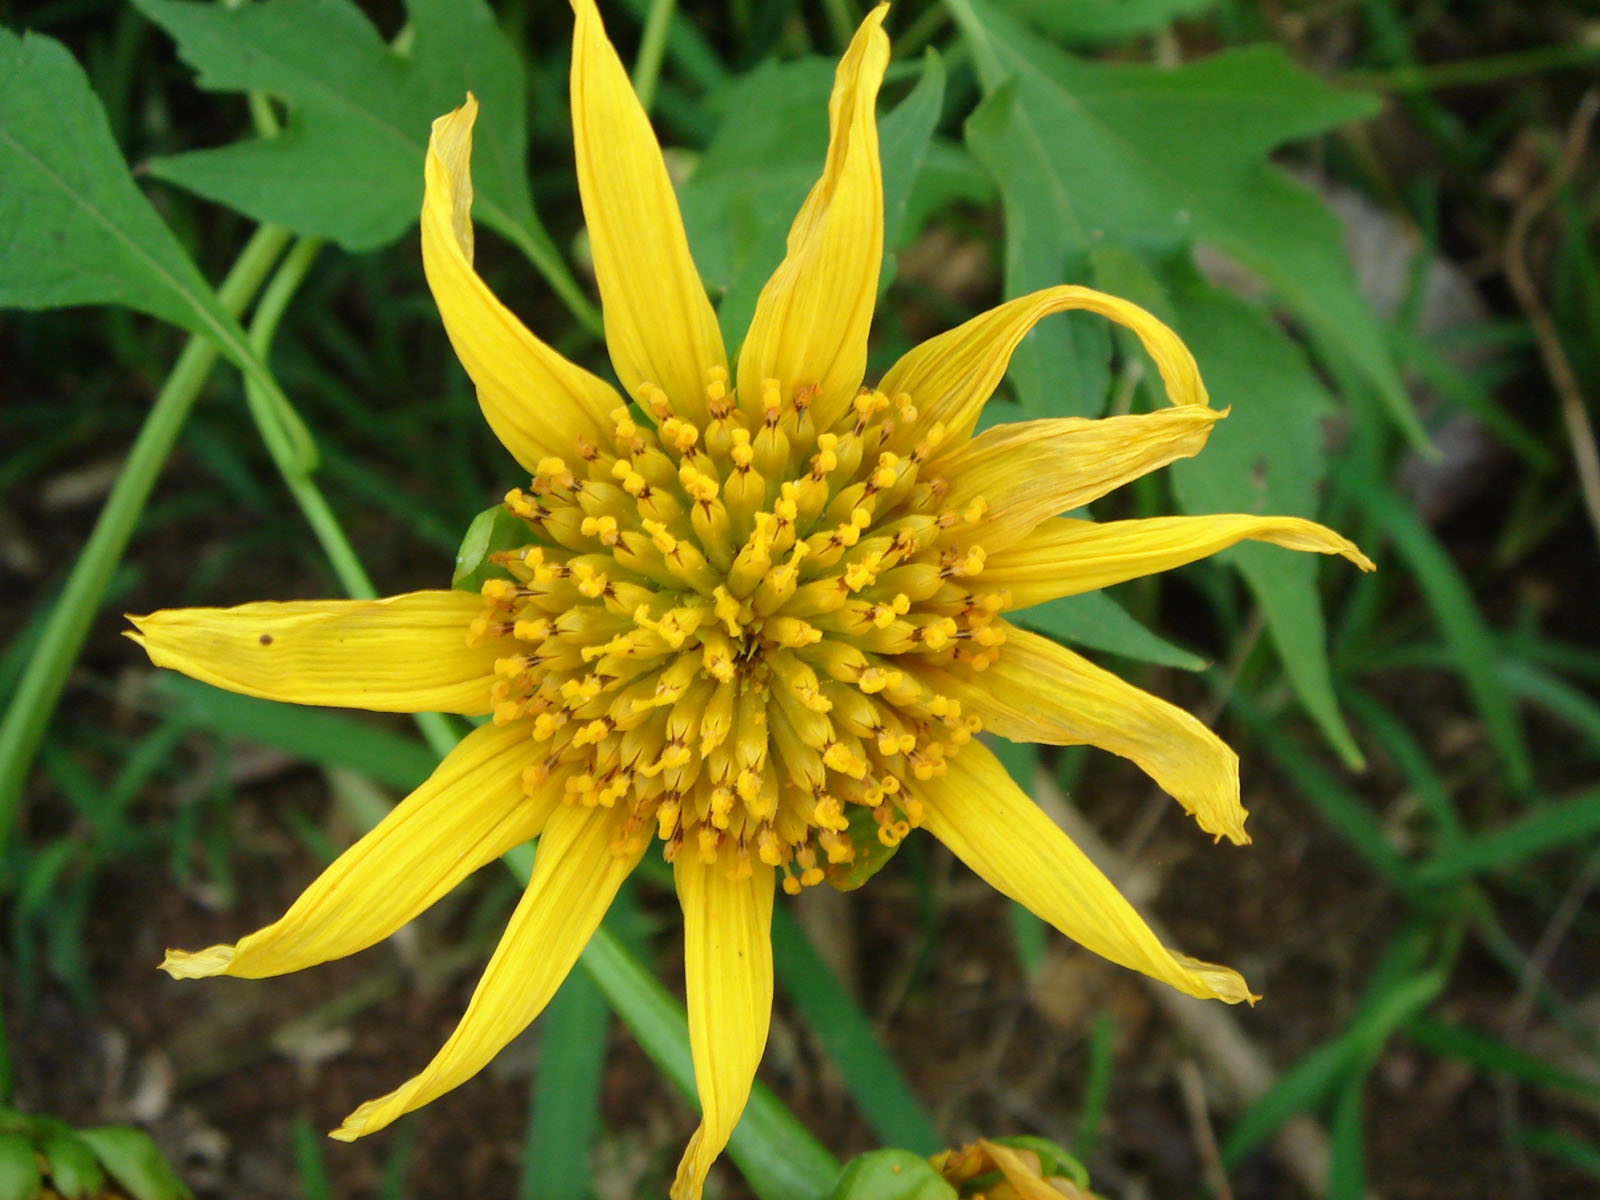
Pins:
<point x="812" y="317"/>
<point x="471" y="810"/>
<point x="406" y="653"/>
<point x="989" y="824"/>
<point x="1026" y="471"/>
<point x="950" y="377"/>
<point x="1064" y="557"/>
<point x="660" y="327"/>
<point x="575" y="876"/>
<point x="1040" y="692"/>
<point x="536" y="402"/>
<point x="727" y="952"/>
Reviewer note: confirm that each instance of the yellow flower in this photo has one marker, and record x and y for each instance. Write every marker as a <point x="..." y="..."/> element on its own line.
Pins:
<point x="763" y="600"/>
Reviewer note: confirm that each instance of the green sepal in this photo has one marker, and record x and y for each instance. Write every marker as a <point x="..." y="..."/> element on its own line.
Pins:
<point x="74" y="1170"/>
<point x="891" y="1175"/>
<point x="871" y="854"/>
<point x="492" y="531"/>
<point x="135" y="1162"/>
<point x="20" y="1177"/>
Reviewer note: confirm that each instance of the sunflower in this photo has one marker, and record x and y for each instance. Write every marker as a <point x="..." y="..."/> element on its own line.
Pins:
<point x="758" y="616"/>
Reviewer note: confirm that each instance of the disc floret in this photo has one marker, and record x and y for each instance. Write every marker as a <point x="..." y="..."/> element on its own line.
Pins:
<point x="726" y="630"/>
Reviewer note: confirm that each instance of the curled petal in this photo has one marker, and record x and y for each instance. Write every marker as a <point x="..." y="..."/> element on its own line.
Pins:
<point x="1065" y="557"/>
<point x="989" y="824"/>
<point x="536" y="401"/>
<point x="1038" y="691"/>
<point x="575" y="876"/>
<point x="1026" y="471"/>
<point x="950" y="377"/>
<point x="809" y="332"/>
<point x="406" y="653"/>
<point x="659" y="324"/>
<point x="727" y="951"/>
<point x="471" y="810"/>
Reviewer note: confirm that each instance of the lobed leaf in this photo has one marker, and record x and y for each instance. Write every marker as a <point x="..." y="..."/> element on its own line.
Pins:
<point x="74" y="228"/>
<point x="348" y="163"/>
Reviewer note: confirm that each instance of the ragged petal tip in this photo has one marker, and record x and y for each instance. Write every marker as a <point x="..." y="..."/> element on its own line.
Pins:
<point x="199" y="964"/>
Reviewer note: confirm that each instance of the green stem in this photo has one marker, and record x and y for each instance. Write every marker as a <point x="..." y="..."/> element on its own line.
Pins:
<point x="990" y="73"/>
<point x="652" y="45"/>
<point x="549" y="265"/>
<point x="80" y="599"/>
<point x="1491" y="68"/>
<point x="293" y="451"/>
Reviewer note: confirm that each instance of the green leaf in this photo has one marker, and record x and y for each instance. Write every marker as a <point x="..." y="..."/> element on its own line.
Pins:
<point x="19" y="1168"/>
<point x="76" y="228"/>
<point x="329" y="739"/>
<point x="747" y="186"/>
<point x="75" y="1173"/>
<point x="132" y="1159"/>
<point x="904" y="137"/>
<point x="1062" y="368"/>
<point x="1095" y="620"/>
<point x="1156" y="159"/>
<point x="348" y="163"/>
<point x="1095" y="24"/>
<point x="1266" y="458"/>
<point x="492" y="531"/>
<point x="891" y="1175"/>
<point x="752" y="178"/>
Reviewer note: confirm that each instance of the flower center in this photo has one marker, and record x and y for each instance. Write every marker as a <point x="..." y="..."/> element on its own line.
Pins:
<point x="734" y="633"/>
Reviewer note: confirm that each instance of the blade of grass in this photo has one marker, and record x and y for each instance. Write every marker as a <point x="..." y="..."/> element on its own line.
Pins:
<point x="1390" y="1004"/>
<point x="1347" y="1166"/>
<point x="1571" y="820"/>
<point x="1450" y="598"/>
<point x="1412" y="760"/>
<point x="1490" y="1054"/>
<point x="1345" y="811"/>
<point x="1096" y="1083"/>
<point x="565" y="1113"/>
<point x="1563" y="1146"/>
<point x="309" y="1165"/>
<point x="875" y="1083"/>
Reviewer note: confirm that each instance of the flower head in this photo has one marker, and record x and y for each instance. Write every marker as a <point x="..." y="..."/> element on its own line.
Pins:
<point x="758" y="616"/>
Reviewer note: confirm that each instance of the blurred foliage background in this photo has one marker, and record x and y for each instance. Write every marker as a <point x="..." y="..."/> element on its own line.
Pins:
<point x="1374" y="222"/>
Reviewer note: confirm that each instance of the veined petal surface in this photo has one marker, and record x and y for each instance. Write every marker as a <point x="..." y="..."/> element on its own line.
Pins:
<point x="1038" y="691"/>
<point x="406" y="653"/>
<point x="727" y="952"/>
<point x="1066" y="557"/>
<point x="575" y="877"/>
<point x="660" y="327"/>
<point x="989" y="824"/>
<point x="809" y="332"/>
<point x="471" y="810"/>
<point x="950" y="377"/>
<point x="1026" y="471"/>
<point x="534" y="399"/>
